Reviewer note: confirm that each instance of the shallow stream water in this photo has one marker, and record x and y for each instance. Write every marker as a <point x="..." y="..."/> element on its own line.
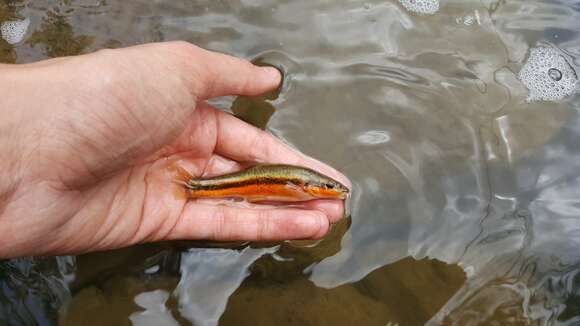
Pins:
<point x="461" y="141"/>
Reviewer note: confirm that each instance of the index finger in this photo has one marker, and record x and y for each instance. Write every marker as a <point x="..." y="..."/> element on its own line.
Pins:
<point x="240" y="141"/>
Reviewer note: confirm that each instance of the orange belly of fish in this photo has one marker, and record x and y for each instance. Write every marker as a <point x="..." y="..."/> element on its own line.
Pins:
<point x="274" y="192"/>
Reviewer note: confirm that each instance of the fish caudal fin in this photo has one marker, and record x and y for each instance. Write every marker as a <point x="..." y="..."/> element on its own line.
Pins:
<point x="181" y="175"/>
<point x="181" y="179"/>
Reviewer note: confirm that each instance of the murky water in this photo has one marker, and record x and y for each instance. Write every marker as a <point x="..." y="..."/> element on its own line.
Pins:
<point x="466" y="204"/>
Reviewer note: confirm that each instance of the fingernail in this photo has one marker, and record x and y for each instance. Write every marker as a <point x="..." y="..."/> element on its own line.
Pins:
<point x="272" y="74"/>
<point x="317" y="226"/>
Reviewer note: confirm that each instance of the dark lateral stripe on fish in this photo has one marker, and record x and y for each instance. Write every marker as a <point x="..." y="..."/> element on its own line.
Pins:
<point x="198" y="185"/>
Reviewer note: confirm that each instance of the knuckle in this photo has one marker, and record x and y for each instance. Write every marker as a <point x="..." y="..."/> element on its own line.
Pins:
<point x="188" y="66"/>
<point x="183" y="47"/>
<point x="264" y="226"/>
<point x="261" y="146"/>
<point x="183" y="54"/>
<point x="247" y="84"/>
<point x="219" y="229"/>
<point x="105" y="69"/>
<point x="256" y="151"/>
<point x="107" y="53"/>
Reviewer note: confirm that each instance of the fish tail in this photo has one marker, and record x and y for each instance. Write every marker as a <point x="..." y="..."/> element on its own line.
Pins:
<point x="181" y="176"/>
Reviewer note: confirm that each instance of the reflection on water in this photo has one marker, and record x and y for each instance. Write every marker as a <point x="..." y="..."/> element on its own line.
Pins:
<point x="33" y="290"/>
<point x="209" y="277"/>
<point x="465" y="206"/>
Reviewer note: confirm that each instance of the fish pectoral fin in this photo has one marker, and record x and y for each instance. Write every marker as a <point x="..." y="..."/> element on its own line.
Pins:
<point x="255" y="199"/>
<point x="293" y="187"/>
<point x="299" y="193"/>
<point x="180" y="175"/>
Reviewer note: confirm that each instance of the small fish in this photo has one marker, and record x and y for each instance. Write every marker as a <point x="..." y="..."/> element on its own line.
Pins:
<point x="267" y="182"/>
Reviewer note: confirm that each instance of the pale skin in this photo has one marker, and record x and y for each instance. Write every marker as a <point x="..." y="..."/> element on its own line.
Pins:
<point x="86" y="142"/>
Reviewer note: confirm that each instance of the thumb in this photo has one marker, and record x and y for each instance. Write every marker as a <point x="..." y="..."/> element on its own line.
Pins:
<point x="221" y="75"/>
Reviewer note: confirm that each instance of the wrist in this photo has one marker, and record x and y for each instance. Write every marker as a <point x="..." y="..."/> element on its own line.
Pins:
<point x="9" y="181"/>
<point x="10" y="141"/>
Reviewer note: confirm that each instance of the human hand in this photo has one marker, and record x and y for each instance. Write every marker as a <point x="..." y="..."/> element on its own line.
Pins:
<point x="86" y="143"/>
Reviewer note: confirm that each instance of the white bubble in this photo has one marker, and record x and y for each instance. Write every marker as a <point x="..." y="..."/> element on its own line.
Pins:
<point x="547" y="75"/>
<point x="374" y="137"/>
<point x="469" y="19"/>
<point x="427" y="7"/>
<point x="13" y="31"/>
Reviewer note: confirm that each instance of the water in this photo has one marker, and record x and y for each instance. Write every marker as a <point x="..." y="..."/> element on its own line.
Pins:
<point x="465" y="206"/>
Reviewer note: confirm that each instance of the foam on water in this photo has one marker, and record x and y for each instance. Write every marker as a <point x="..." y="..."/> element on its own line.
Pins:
<point x="13" y="31"/>
<point x="547" y="75"/>
<point x="427" y="7"/>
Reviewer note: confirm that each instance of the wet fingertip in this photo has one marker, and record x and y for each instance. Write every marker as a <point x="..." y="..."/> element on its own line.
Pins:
<point x="322" y="226"/>
<point x="310" y="225"/>
<point x="271" y="75"/>
<point x="333" y="209"/>
<point x="339" y="213"/>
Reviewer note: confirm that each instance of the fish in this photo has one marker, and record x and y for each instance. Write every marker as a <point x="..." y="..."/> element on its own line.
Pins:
<point x="265" y="182"/>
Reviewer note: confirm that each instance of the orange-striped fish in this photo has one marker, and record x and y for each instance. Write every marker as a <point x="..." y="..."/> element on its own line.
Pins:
<point x="276" y="182"/>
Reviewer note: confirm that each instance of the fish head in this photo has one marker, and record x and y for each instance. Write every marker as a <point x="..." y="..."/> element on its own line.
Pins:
<point x="326" y="188"/>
